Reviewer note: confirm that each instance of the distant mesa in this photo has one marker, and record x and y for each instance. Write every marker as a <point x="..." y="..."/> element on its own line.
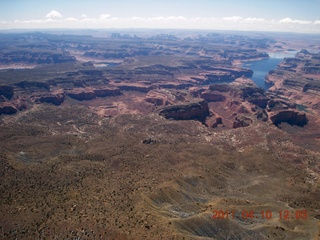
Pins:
<point x="218" y="74"/>
<point x="32" y="85"/>
<point x="140" y="87"/>
<point x="35" y="57"/>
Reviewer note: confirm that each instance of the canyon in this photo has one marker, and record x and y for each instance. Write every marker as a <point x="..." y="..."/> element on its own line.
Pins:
<point x="132" y="136"/>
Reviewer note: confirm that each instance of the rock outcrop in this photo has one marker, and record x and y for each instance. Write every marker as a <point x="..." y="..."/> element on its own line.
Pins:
<point x="197" y="110"/>
<point x="220" y="87"/>
<point x="6" y="108"/>
<point x="261" y="114"/>
<point x="290" y="117"/>
<point x="158" y="98"/>
<point x="6" y="91"/>
<point x="217" y="75"/>
<point x="277" y="104"/>
<point x="218" y="120"/>
<point x="237" y="106"/>
<point x="242" y="121"/>
<point x="81" y="94"/>
<point x="106" y="91"/>
<point x="252" y="94"/>
<point x="211" y="96"/>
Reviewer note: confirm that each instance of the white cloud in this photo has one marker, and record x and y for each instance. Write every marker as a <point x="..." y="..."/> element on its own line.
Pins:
<point x="166" y="19"/>
<point x="317" y="22"/>
<point x="234" y="18"/>
<point x="54" y="14"/>
<point x="294" y="21"/>
<point x="104" y="16"/>
<point x="71" y="19"/>
<point x="137" y="19"/>
<point x="179" y="18"/>
<point x="53" y="20"/>
<point x="254" y="20"/>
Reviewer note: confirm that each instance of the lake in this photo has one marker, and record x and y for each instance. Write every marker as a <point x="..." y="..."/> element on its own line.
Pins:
<point x="261" y="68"/>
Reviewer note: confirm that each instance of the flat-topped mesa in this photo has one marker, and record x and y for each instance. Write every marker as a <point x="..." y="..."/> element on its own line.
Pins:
<point x="107" y="91"/>
<point x="55" y="98"/>
<point x="196" y="110"/>
<point x="140" y="87"/>
<point x="81" y="94"/>
<point x="91" y="93"/>
<point x="218" y="76"/>
<point x="290" y="117"/>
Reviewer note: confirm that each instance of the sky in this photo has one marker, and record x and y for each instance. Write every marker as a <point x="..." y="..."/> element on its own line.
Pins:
<point x="249" y="15"/>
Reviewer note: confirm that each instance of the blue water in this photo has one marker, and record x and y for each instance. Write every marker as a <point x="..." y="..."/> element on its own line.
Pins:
<point x="261" y="68"/>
